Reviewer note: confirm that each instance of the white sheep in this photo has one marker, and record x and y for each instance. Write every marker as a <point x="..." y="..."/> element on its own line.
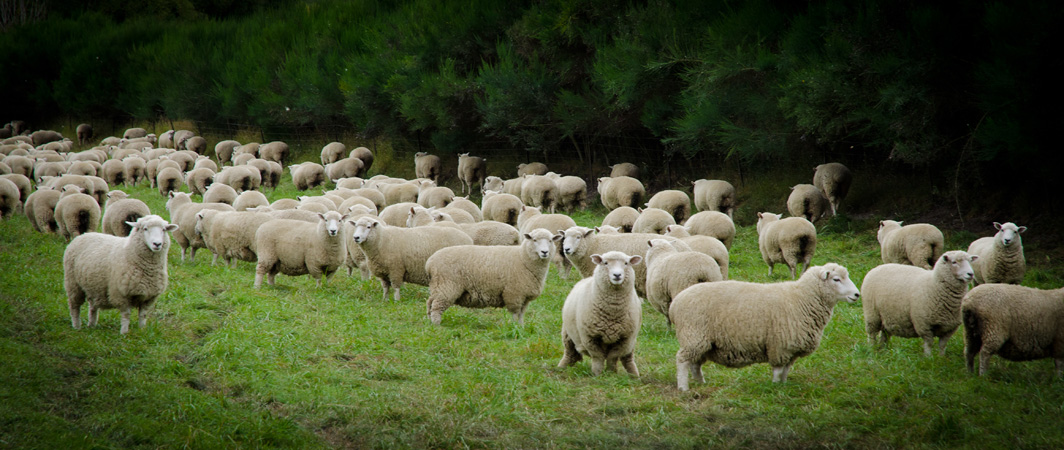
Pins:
<point x="571" y="192"/>
<point x="196" y="144"/>
<point x="834" y="180"/>
<point x="623" y="218"/>
<point x="114" y="172"/>
<point x="492" y="183"/>
<point x="199" y="180"/>
<point x="735" y="323"/>
<point x="918" y="244"/>
<point x="907" y="301"/>
<point x="183" y="214"/>
<point x="405" y="192"/>
<point x="539" y="191"/>
<point x="471" y="170"/>
<point x="169" y="180"/>
<point x="119" y="212"/>
<point x="500" y="207"/>
<point x="363" y="154"/>
<point x="602" y="315"/>
<point x="807" y="201"/>
<point x="250" y="199"/>
<point x="275" y="151"/>
<point x="580" y="243"/>
<point x="295" y="247"/>
<point x="1016" y="323"/>
<point x="709" y="245"/>
<point x="220" y="193"/>
<point x="715" y="195"/>
<point x="23" y="183"/>
<point x="790" y="241"/>
<point x="434" y="196"/>
<point x="427" y="166"/>
<point x="76" y="213"/>
<point x="620" y="191"/>
<point x="532" y="168"/>
<point x="40" y="209"/>
<point x="396" y="255"/>
<point x="230" y="235"/>
<point x="9" y="198"/>
<point x="1000" y="256"/>
<point x="468" y="206"/>
<point x="224" y="151"/>
<point x="204" y="162"/>
<point x="676" y="203"/>
<point x="396" y="215"/>
<point x="624" y="170"/>
<point x="653" y="221"/>
<point x="670" y="271"/>
<point x="513" y="186"/>
<point x="345" y="168"/>
<point x="117" y="272"/>
<point x="307" y="175"/>
<point x="332" y="152"/>
<point x="501" y="276"/>
<point x="135" y="170"/>
<point x="240" y="177"/>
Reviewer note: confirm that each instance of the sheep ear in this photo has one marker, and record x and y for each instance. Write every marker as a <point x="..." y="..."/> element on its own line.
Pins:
<point x="557" y="237"/>
<point x="1021" y="229"/>
<point x="650" y="243"/>
<point x="825" y="275"/>
<point x="131" y="224"/>
<point x="321" y="216"/>
<point x="635" y="259"/>
<point x="997" y="226"/>
<point x="588" y="233"/>
<point x="597" y="259"/>
<point x="761" y="216"/>
<point x="528" y="236"/>
<point x="171" y="194"/>
<point x="561" y="232"/>
<point x="171" y="227"/>
<point x="974" y="258"/>
<point x="945" y="258"/>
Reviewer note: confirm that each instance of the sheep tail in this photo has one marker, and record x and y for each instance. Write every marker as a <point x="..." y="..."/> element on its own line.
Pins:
<point x="82" y="222"/>
<point x="511" y="216"/>
<point x="677" y="212"/>
<point x="636" y="198"/>
<point x="807" y="209"/>
<point x="973" y="337"/>
<point x="803" y="247"/>
<point x="931" y="259"/>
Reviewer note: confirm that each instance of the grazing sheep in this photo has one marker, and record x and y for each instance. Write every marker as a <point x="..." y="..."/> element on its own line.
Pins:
<point x="307" y="175"/>
<point x="344" y="168"/>
<point x="196" y="144"/>
<point x="220" y="193"/>
<point x="9" y="198"/>
<point x="400" y="192"/>
<point x="184" y="158"/>
<point x="715" y="195"/>
<point x="492" y="183"/>
<point x="250" y="199"/>
<point x="282" y="204"/>
<point x="538" y="191"/>
<point x="181" y="138"/>
<point x="40" y="209"/>
<point x="1000" y="257"/>
<point x="114" y="172"/>
<point x="365" y="155"/>
<point x="468" y="206"/>
<point x="621" y="191"/>
<point x="230" y="235"/>
<point x="224" y="151"/>
<point x="1016" y="323"/>
<point x="714" y="224"/>
<point x="42" y="137"/>
<point x="807" y="201"/>
<point x="373" y="195"/>
<point x="482" y="233"/>
<point x="790" y="241"/>
<point x="135" y="170"/>
<point x="5" y="169"/>
<point x="169" y="179"/>
<point x="456" y="215"/>
<point x="653" y="221"/>
<point x="670" y="271"/>
<point x="580" y="243"/>
<point x="199" y="180"/>
<point x="82" y="168"/>
<point x="84" y="131"/>
<point x="356" y="200"/>
<point x="239" y="177"/>
<point x="918" y="244"/>
<point x="513" y="186"/>
<point x="434" y="196"/>
<point x="676" y="203"/>
<point x="396" y="255"/>
<point x="332" y="152"/>
<point x="204" y="162"/>
<point x="397" y="214"/>
<point x="350" y="183"/>
<point x="94" y="186"/>
<point x="427" y="166"/>
<point x="709" y="245"/>
<point x="833" y="179"/>
<point x="133" y="133"/>
<point x="571" y="192"/>
<point x="327" y="203"/>
<point x="20" y="164"/>
<point x="24" y="185"/>
<point x="533" y="168"/>
<point x="117" y="272"/>
<point x="76" y="213"/>
<point x="120" y="212"/>
<point x="183" y="214"/>
<point x="531" y="218"/>
<point x="907" y="301"/>
<point x="735" y="323"/>
<point x="294" y="247"/>
<point x="501" y="207"/>
<point x="623" y="218"/>
<point x="241" y="159"/>
<point x="601" y="316"/>
<point x="501" y="276"/>
<point x="275" y="151"/>
<point x="624" y="170"/>
<point x="471" y="170"/>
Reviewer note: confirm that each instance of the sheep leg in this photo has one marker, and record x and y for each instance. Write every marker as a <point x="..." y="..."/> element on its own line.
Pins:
<point x="929" y="341"/>
<point x="984" y="360"/>
<point x="942" y="340"/>
<point x="682" y="369"/>
<point x="260" y="271"/>
<point x="143" y="313"/>
<point x="628" y="361"/>
<point x="94" y="313"/>
<point x="125" y="320"/>
<point x="570" y="354"/>
<point x="385" y="286"/>
<point x="696" y="372"/>
<point x="611" y="363"/>
<point x="597" y="364"/>
<point x="270" y="277"/>
<point x="75" y="299"/>
<point x="398" y="285"/>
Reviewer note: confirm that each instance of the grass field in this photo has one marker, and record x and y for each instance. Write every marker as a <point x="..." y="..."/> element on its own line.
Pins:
<point x="223" y="365"/>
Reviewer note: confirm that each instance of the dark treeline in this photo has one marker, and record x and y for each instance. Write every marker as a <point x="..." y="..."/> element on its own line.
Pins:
<point x="953" y="87"/>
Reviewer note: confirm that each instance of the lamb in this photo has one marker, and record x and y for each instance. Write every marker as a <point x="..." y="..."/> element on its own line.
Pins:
<point x="807" y="201"/>
<point x="833" y="179"/>
<point x="275" y="151"/>
<point x="1014" y="322"/>
<point x="363" y="154"/>
<point x="670" y="271"/>
<point x="735" y="323"/>
<point x="908" y="301"/>
<point x="571" y="192"/>
<point x="396" y="255"/>
<point x="602" y="316"/>
<point x="623" y="218"/>
<point x="433" y="196"/>
<point x="40" y="209"/>
<point x="674" y="202"/>
<point x="790" y="241"/>
<point x="183" y="214"/>
<point x="224" y="150"/>
<point x="471" y="170"/>
<point x="230" y="235"/>
<point x="620" y="191"/>
<point x="652" y="221"/>
<point x="580" y="243"/>
<point x="533" y="168"/>
<point x="715" y="195"/>
<point x="502" y="276"/>
<point x="294" y="247"/>
<point x="501" y="207"/>
<point x="539" y="191"/>
<point x="220" y="193"/>
<point x="250" y="199"/>
<point x="9" y="198"/>
<point x="427" y="166"/>
<point x="918" y="244"/>
<point x="117" y="272"/>
<point x="84" y="131"/>
<point x="709" y="245"/>
<point x="76" y="213"/>
<point x="344" y="168"/>
<point x="332" y="152"/>
<point x="307" y="175"/>
<point x="169" y="179"/>
<point x="1000" y="257"/>
<point x="624" y="170"/>
<point x="121" y="211"/>
<point x="714" y="224"/>
<point x="196" y="144"/>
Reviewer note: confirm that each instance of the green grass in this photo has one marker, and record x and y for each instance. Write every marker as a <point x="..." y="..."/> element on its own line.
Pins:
<point x="223" y="365"/>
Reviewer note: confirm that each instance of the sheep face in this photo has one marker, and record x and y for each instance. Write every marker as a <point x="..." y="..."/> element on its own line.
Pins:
<point x="364" y="229"/>
<point x="541" y="242"/>
<point x="886" y="226"/>
<point x="617" y="265"/>
<point x="1008" y="233"/>
<point x="838" y="281"/>
<point x="572" y="239"/>
<point x="960" y="264"/>
<point x="153" y="230"/>
<point x="332" y="221"/>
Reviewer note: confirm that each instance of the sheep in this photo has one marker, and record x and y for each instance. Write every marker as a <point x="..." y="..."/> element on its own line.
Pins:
<point x="670" y="271"/>
<point x="135" y="170"/>
<point x="471" y="170"/>
<point x="42" y="168"/>
<point x="24" y="185"/>
<point x="249" y="199"/>
<point x="790" y="241"/>
<point x="76" y="213"/>
<point x="735" y="323"/>
<point x="468" y="206"/>
<point x="204" y="162"/>
<point x="833" y="179"/>
<point x="457" y="215"/>
<point x="434" y="196"/>
<point x="714" y="224"/>
<point x="275" y="151"/>
<point x="602" y="315"/>
<point x="674" y="202"/>
<point x="501" y="207"/>
<point x="653" y="221"/>
<point x="715" y="195"/>
<point x="271" y="172"/>
<point x="327" y="203"/>
<point x="220" y="193"/>
<point x="307" y="175"/>
<point x="94" y="186"/>
<point x="531" y="218"/>
<point x="400" y="192"/>
<point x="117" y="272"/>
<point x="168" y="179"/>
<point x="623" y="218"/>
<point x="1000" y="256"/>
<point x="284" y="204"/>
<point x="427" y="166"/>
<point x="355" y="258"/>
<point x="199" y="180"/>
<point x="183" y="213"/>
<point x="396" y="255"/>
<point x="501" y="276"/>
<point x="20" y="164"/>
<point x="539" y="191"/>
<point x="185" y="158"/>
<point x="196" y="144"/>
<point x="357" y="200"/>
<point x="81" y="168"/>
<point x="807" y="201"/>
<point x="41" y="137"/>
<point x="533" y="168"/>
<point x="907" y="301"/>
<point x="1017" y="323"/>
<point x="9" y="198"/>
<point x="166" y="140"/>
<point x="709" y="245"/>
<point x="344" y="168"/>
<point x="295" y="247"/>
<point x="40" y="209"/>
<point x="230" y="235"/>
<point x="224" y="150"/>
<point x="571" y="192"/>
<point x="363" y="154"/>
<point x="114" y="172"/>
<point x="620" y="191"/>
<point x="917" y="244"/>
<point x="492" y="183"/>
<point x="373" y="195"/>
<point x="4" y="168"/>
<point x="181" y="138"/>
<point x="240" y="177"/>
<point x="580" y="243"/>
<point x="396" y="215"/>
<point x="84" y="131"/>
<point x="624" y="170"/>
<point x="350" y="183"/>
<point x="133" y="133"/>
<point x="513" y="186"/>
<point x="332" y="152"/>
<point x="120" y="211"/>
<point x="241" y="159"/>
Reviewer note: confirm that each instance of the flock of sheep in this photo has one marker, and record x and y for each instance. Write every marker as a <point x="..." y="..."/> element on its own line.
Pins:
<point x="497" y="254"/>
